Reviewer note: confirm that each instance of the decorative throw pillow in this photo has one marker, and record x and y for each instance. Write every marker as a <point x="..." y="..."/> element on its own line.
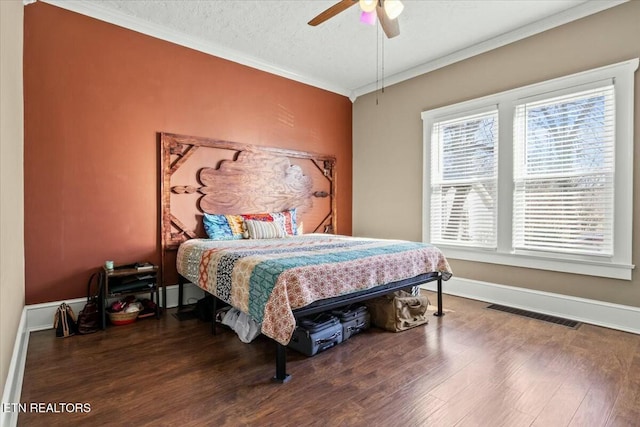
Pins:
<point x="290" y="221"/>
<point x="223" y="227"/>
<point x="264" y="229"/>
<point x="286" y="220"/>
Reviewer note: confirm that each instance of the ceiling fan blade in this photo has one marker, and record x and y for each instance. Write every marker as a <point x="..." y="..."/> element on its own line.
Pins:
<point x="332" y="11"/>
<point x="391" y="27"/>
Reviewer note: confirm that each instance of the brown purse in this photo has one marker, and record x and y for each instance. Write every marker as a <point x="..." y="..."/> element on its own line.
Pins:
<point x="398" y="311"/>
<point x="64" y="321"/>
<point x="89" y="316"/>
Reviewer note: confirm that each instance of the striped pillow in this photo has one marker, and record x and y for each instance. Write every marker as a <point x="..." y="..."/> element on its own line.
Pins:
<point x="263" y="229"/>
<point x="286" y="219"/>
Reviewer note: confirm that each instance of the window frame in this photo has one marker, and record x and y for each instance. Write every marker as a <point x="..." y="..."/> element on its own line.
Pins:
<point x="618" y="266"/>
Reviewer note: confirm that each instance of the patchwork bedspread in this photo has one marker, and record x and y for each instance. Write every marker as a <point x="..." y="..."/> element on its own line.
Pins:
<point x="267" y="279"/>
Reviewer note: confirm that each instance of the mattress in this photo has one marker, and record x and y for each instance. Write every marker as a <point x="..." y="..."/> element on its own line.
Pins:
<point x="270" y="278"/>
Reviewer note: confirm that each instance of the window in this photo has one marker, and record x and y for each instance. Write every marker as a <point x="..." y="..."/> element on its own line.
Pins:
<point x="563" y="173"/>
<point x="464" y="180"/>
<point x="539" y="176"/>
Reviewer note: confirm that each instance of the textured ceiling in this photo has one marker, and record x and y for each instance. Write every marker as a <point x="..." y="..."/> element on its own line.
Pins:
<point x="341" y="55"/>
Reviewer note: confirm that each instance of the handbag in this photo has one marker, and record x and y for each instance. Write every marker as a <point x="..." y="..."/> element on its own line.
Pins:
<point x="89" y="316"/>
<point x="64" y="321"/>
<point x="398" y="311"/>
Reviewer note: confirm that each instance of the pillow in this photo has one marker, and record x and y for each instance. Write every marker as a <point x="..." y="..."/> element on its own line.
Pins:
<point x="264" y="229"/>
<point x="290" y="218"/>
<point x="286" y="220"/>
<point x="223" y="227"/>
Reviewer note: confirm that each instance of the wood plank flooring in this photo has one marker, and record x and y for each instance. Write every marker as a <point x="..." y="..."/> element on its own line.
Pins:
<point x="472" y="367"/>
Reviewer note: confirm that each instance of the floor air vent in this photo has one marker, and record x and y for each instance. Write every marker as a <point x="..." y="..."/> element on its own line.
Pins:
<point x="545" y="317"/>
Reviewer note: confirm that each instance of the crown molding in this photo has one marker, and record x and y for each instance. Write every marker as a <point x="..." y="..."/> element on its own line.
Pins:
<point x="569" y="15"/>
<point x="102" y="13"/>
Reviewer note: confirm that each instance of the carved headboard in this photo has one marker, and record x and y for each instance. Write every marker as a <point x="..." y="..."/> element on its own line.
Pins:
<point x="207" y="175"/>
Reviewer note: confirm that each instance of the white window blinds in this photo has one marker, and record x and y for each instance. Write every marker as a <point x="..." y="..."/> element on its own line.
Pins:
<point x="563" y="173"/>
<point x="464" y="166"/>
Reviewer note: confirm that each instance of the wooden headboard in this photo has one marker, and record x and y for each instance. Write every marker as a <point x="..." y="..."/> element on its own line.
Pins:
<point x="208" y="175"/>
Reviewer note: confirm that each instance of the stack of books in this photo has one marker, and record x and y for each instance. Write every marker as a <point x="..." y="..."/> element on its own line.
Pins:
<point x="144" y="266"/>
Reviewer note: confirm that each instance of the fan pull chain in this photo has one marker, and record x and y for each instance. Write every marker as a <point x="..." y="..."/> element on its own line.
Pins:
<point x="379" y="63"/>
<point x="377" y="60"/>
<point x="382" y="43"/>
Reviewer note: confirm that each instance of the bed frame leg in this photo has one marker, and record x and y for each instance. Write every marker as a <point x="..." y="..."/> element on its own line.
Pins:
<point x="439" y="313"/>
<point x="281" y="365"/>
<point x="180" y="291"/>
<point x="214" y="310"/>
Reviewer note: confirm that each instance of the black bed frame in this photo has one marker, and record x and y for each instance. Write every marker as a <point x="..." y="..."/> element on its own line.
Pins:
<point x="330" y="304"/>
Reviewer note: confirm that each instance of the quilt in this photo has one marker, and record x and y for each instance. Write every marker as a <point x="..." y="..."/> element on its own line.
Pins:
<point x="270" y="278"/>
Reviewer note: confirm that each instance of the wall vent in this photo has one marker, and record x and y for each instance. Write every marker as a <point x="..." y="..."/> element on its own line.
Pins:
<point x="544" y="317"/>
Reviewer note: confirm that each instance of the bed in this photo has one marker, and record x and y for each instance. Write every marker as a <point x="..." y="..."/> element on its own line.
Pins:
<point x="304" y="268"/>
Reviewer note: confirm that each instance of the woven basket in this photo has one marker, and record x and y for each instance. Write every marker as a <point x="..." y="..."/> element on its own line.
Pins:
<point x="122" y="318"/>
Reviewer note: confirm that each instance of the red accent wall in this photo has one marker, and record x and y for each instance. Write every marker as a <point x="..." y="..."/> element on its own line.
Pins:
<point x="96" y="95"/>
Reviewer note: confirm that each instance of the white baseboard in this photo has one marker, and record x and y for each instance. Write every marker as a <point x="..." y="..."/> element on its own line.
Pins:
<point x="40" y="316"/>
<point x="13" y="385"/>
<point x="192" y="293"/>
<point x="614" y="316"/>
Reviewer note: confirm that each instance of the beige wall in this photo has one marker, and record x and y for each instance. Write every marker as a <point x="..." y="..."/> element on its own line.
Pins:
<point x="11" y="181"/>
<point x="387" y="139"/>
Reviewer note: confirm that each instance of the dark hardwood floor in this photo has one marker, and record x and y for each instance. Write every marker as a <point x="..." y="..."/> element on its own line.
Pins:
<point x="473" y="367"/>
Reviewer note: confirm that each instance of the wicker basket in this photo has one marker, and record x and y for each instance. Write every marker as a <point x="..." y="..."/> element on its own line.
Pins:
<point x="122" y="318"/>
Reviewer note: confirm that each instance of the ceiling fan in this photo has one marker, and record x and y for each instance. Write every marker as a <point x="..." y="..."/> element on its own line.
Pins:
<point x="386" y="10"/>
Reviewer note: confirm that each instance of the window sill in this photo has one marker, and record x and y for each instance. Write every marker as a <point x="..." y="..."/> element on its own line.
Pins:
<point x="586" y="267"/>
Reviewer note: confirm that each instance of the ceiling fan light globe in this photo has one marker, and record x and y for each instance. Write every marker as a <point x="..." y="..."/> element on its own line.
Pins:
<point x="393" y="8"/>
<point x="368" y="5"/>
<point x="368" y="18"/>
